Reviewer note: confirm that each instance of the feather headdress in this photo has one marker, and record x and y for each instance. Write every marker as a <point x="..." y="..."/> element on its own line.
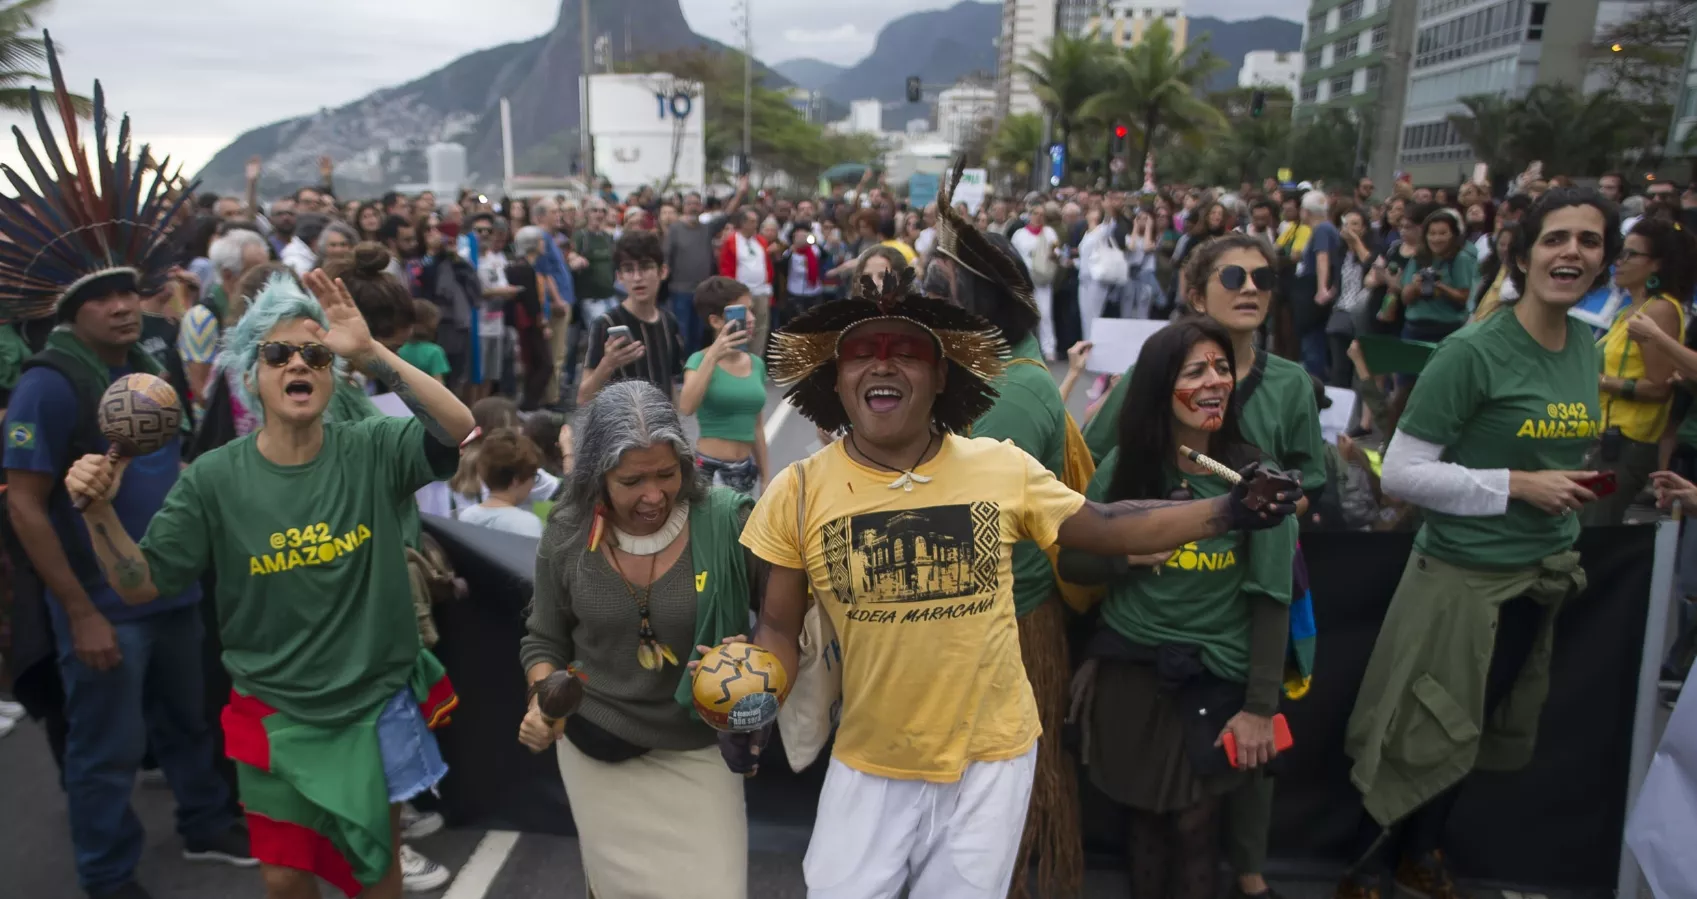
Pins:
<point x="960" y="241"/>
<point x="84" y="228"/>
<point x="804" y="353"/>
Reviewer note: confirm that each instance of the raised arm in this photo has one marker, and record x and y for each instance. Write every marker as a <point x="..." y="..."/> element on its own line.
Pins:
<point x="432" y="403"/>
<point x="96" y="479"/>
<point x="1145" y="527"/>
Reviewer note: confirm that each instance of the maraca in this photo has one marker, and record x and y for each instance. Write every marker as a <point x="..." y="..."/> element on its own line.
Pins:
<point x="738" y="687"/>
<point x="558" y="695"/>
<point x="138" y="414"/>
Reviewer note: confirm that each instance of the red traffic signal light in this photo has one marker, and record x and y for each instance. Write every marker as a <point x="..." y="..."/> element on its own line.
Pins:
<point x="1120" y="131"/>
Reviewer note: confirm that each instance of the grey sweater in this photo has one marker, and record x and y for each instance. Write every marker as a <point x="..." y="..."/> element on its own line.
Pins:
<point x="583" y="612"/>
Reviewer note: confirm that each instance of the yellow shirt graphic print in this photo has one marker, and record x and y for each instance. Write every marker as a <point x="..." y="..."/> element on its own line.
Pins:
<point x="310" y="545"/>
<point x="919" y="587"/>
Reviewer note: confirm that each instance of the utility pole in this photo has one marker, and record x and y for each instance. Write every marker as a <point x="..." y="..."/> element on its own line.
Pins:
<point x="588" y="141"/>
<point x="747" y="85"/>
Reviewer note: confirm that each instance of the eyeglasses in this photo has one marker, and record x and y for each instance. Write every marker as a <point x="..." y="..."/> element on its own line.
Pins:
<point x="1232" y="277"/>
<point x="1627" y="254"/>
<point x="277" y="354"/>
<point x="485" y="232"/>
<point x="632" y="269"/>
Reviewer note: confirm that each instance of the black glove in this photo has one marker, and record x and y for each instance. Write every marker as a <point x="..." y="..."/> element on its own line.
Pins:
<point x="742" y="751"/>
<point x="1264" y="497"/>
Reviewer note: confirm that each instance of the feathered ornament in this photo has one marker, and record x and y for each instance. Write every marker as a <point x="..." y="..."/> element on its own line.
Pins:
<point x="77" y="233"/>
<point x="962" y="242"/>
<point x="804" y="352"/>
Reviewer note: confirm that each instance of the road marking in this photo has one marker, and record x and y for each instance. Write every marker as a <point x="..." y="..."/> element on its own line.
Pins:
<point x="780" y="417"/>
<point x="478" y="874"/>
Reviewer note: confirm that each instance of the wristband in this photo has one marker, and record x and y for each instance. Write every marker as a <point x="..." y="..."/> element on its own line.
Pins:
<point x="1629" y="389"/>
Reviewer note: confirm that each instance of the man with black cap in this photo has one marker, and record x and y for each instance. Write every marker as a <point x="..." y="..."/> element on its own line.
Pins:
<point x="905" y="537"/>
<point x="132" y="676"/>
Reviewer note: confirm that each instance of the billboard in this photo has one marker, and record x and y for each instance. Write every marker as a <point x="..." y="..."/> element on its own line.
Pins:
<point x="649" y="129"/>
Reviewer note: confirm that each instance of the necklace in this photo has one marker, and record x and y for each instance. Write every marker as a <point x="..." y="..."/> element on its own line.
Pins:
<point x="908" y="478"/>
<point x="652" y="544"/>
<point x="651" y="654"/>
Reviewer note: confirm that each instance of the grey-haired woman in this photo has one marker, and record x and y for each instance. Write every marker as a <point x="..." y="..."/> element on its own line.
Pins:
<point x="638" y="564"/>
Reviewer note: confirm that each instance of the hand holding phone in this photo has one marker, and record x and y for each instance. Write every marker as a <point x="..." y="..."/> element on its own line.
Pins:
<point x="1601" y="484"/>
<point x="618" y="332"/>
<point x="1281" y="739"/>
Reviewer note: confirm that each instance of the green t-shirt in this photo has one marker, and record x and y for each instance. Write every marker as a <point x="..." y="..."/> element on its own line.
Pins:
<point x="596" y="281"/>
<point x="1494" y="398"/>
<point x="1280" y="418"/>
<point x="1204" y="593"/>
<point x="348" y="403"/>
<point x="1030" y="413"/>
<point x="1461" y="272"/>
<point x="731" y="407"/>
<point x="425" y="356"/>
<point x="314" y="603"/>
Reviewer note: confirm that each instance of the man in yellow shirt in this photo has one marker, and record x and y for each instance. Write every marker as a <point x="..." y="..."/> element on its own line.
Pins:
<point x="906" y="540"/>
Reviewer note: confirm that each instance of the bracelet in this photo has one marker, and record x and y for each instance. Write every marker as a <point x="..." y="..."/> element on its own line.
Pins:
<point x="1628" y="388"/>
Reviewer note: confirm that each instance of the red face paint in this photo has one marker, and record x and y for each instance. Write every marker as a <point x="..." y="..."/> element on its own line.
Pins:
<point x="1214" y="419"/>
<point x="885" y="345"/>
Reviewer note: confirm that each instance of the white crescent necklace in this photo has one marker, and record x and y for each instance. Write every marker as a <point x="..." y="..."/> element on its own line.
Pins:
<point x="648" y="545"/>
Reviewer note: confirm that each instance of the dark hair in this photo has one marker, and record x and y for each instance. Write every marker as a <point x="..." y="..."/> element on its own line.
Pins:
<point x="1532" y="226"/>
<point x="1147" y="446"/>
<point x="391" y="228"/>
<point x="866" y="217"/>
<point x="383" y="300"/>
<point x="425" y="318"/>
<point x="638" y="246"/>
<point x="543" y="429"/>
<point x="1674" y="248"/>
<point x="975" y="293"/>
<point x="886" y="228"/>
<point x="714" y="294"/>
<point x="360" y="213"/>
<point x="1199" y="222"/>
<point x="1200" y="263"/>
<point x="1268" y="205"/>
<point x="505" y="457"/>
<point x="196" y="239"/>
<point x="1447" y="216"/>
<point x="1343" y="208"/>
<point x="1518" y="203"/>
<point x="390" y="198"/>
<point x="1489" y="226"/>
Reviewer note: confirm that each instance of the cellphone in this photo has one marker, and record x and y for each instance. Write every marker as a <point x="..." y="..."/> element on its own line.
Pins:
<point x="736" y="317"/>
<point x="1602" y="485"/>
<point x="1281" y="739"/>
<point x="618" y="331"/>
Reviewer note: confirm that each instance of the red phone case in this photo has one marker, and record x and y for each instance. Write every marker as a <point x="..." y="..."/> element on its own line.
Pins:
<point x="1282" y="741"/>
<point x="1602" y="485"/>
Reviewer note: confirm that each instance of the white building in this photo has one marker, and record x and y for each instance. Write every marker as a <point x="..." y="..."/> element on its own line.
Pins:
<point x="961" y="109"/>
<point x="1027" y="25"/>
<point x="1270" y="68"/>
<point x="866" y="117"/>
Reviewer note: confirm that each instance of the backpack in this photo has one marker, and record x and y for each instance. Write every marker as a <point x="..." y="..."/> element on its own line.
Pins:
<point x="432" y="578"/>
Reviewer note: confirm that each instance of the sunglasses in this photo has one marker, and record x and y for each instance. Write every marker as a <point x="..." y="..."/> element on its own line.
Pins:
<point x="1232" y="277"/>
<point x="904" y="347"/>
<point x="277" y="354"/>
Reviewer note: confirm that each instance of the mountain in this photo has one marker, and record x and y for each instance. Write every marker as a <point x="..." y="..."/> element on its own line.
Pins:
<point x="1231" y="41"/>
<point x="809" y="74"/>
<point x="941" y="47"/>
<point x="380" y="139"/>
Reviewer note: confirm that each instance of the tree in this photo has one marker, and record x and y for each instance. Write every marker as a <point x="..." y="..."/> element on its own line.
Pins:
<point x="1323" y="146"/>
<point x="1017" y="141"/>
<point x="1155" y="88"/>
<point x="1066" y="77"/>
<point x="1643" y="58"/>
<point x="1488" y="127"/>
<point x="21" y="54"/>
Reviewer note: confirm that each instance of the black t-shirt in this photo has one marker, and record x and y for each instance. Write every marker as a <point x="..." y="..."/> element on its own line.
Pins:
<point x="522" y="276"/>
<point x="159" y="340"/>
<point x="662" y="359"/>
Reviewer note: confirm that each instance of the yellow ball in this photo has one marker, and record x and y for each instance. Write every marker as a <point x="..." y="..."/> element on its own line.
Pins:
<point x="738" y="687"/>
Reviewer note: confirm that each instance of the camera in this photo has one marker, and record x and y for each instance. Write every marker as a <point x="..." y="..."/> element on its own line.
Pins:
<point x="1428" y="278"/>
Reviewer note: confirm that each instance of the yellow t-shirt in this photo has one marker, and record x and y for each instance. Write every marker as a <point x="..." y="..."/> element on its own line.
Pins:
<point x="920" y="588"/>
<point x="1640" y="420"/>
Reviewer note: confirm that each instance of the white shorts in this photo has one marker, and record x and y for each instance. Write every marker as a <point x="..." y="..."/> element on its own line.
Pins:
<point x="875" y="835"/>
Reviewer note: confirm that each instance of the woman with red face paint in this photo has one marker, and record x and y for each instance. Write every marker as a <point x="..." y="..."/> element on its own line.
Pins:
<point x="1191" y="643"/>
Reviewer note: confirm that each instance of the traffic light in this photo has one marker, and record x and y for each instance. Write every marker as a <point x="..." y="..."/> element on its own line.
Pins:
<point x="915" y="89"/>
<point x="1120" y="132"/>
<point x="1257" y="104"/>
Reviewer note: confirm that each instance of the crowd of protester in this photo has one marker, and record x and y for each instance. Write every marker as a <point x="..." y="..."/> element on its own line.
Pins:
<point x="638" y="313"/>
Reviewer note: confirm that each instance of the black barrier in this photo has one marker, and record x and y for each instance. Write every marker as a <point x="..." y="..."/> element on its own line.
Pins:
<point x="1555" y="825"/>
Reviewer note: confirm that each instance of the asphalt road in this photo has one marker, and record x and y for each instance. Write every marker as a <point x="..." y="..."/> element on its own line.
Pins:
<point x="36" y="859"/>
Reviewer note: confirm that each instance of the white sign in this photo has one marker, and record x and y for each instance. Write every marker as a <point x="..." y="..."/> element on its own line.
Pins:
<point x="649" y="129"/>
<point x="1334" y="420"/>
<point x="970" y="190"/>
<point x="1117" y="342"/>
<point x="1665" y="815"/>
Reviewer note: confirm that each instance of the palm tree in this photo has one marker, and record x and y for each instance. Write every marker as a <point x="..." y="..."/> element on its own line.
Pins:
<point x="1066" y="77"/>
<point x="1157" y="87"/>
<point x="1488" y="128"/>
<point x="1016" y="143"/>
<point x="21" y="54"/>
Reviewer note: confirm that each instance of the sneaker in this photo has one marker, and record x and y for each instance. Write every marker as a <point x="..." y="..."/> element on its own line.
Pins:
<point x="416" y="825"/>
<point x="11" y="711"/>
<point x="128" y="890"/>
<point x="228" y="846"/>
<point x="1356" y="888"/>
<point x="419" y="874"/>
<point x="1428" y="878"/>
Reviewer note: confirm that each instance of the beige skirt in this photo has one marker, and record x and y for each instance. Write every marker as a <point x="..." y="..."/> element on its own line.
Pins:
<point x="659" y="826"/>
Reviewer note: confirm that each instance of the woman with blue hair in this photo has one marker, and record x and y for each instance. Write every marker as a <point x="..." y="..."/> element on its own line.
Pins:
<point x="334" y="695"/>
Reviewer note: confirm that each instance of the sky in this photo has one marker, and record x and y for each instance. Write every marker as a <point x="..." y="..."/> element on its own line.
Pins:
<point x="194" y="74"/>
